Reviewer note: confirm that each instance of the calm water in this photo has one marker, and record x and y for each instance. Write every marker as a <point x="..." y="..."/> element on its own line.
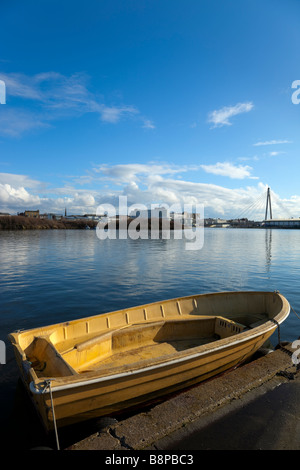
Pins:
<point x="53" y="276"/>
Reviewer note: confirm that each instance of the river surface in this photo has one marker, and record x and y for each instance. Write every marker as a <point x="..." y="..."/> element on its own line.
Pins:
<point x="50" y="276"/>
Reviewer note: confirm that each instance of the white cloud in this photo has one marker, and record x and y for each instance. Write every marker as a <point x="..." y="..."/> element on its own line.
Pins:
<point x="274" y="154"/>
<point x="55" y="96"/>
<point x="11" y="197"/>
<point x="156" y="183"/>
<point x="148" y="124"/>
<point x="22" y="86"/>
<point x="230" y="170"/>
<point x="114" y="114"/>
<point x="217" y="200"/>
<point x="17" y="121"/>
<point x="19" y="181"/>
<point x="221" y="116"/>
<point x="20" y="192"/>
<point x="137" y="171"/>
<point x="273" y="142"/>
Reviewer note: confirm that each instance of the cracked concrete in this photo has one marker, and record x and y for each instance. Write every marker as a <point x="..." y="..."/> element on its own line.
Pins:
<point x="172" y="423"/>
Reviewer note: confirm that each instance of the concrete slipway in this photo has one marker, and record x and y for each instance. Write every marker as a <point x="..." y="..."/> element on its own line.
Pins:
<point x="256" y="406"/>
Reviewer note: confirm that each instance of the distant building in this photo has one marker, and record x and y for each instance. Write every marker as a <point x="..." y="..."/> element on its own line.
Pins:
<point x="215" y="222"/>
<point x="83" y="217"/>
<point x="92" y="216"/>
<point x="184" y="218"/>
<point x="282" y="223"/>
<point x="156" y="213"/>
<point x="52" y="216"/>
<point x="32" y="214"/>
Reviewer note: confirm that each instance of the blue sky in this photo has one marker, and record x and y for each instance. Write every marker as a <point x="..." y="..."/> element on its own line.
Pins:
<point x="160" y="101"/>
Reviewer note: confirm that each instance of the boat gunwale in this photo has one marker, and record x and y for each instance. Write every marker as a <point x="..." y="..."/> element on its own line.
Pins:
<point x="54" y="326"/>
<point x="38" y="386"/>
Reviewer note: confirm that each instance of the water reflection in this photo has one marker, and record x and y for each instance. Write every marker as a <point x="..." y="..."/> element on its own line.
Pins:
<point x="268" y="239"/>
<point x="48" y="276"/>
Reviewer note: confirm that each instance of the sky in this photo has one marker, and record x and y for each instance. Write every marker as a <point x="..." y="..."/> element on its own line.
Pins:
<point x="165" y="102"/>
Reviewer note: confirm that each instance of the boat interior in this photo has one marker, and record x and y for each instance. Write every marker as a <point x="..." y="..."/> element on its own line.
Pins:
<point x="127" y="346"/>
<point x="139" y="334"/>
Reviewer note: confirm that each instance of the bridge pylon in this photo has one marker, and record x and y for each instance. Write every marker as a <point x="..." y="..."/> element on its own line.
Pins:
<point x="268" y="204"/>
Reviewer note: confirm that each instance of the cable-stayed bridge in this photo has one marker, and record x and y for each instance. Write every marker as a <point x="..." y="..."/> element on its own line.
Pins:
<point x="265" y="207"/>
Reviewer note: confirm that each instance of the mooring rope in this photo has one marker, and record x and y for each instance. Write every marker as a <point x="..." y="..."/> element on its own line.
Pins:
<point x="48" y="384"/>
<point x="278" y="325"/>
<point x="295" y="312"/>
<point x="278" y="329"/>
<point x="284" y="373"/>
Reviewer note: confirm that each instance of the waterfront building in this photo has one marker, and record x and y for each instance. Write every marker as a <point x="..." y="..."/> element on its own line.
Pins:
<point x="156" y="213"/>
<point x="31" y="214"/>
<point x="282" y="223"/>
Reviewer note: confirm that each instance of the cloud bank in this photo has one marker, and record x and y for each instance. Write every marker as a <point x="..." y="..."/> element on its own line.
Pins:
<point x="146" y="184"/>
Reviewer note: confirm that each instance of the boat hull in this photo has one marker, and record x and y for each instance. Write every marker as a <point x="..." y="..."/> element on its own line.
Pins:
<point x="82" y="393"/>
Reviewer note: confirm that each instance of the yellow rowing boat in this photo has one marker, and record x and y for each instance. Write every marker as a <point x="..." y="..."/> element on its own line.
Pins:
<point x="102" y="364"/>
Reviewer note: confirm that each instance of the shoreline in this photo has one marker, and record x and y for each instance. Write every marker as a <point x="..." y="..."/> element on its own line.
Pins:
<point x="17" y="222"/>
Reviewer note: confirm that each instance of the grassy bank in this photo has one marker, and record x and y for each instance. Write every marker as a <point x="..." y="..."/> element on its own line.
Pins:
<point x="17" y="222"/>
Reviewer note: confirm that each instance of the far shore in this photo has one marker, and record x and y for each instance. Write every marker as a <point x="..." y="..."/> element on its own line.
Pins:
<point x="17" y="222"/>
